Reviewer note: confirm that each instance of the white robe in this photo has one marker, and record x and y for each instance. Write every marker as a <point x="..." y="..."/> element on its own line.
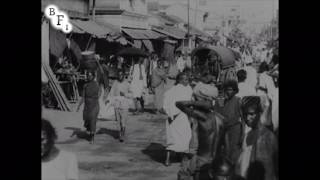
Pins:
<point x="137" y="85"/>
<point x="179" y="131"/>
<point x="251" y="76"/>
<point x="246" y="89"/>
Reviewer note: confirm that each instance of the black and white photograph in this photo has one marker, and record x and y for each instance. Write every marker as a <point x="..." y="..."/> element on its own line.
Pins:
<point x="160" y="89"/>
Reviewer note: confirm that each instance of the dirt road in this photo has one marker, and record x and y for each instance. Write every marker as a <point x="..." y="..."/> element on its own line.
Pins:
<point x="140" y="157"/>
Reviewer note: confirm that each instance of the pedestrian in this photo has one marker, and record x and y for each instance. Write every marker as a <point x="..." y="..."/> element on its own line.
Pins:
<point x="178" y="130"/>
<point x="120" y="98"/>
<point x="230" y="109"/>
<point x="158" y="83"/>
<point x="209" y="135"/>
<point x="267" y="90"/>
<point x="259" y="146"/>
<point x="172" y="74"/>
<point x="138" y="83"/>
<point x="181" y="62"/>
<point x="55" y="163"/>
<point x="90" y="98"/>
<point x="103" y="80"/>
<point x="153" y="65"/>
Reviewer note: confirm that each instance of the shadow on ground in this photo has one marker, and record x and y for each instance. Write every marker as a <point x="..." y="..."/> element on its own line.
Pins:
<point x="146" y="110"/>
<point x="156" y="152"/>
<point x="76" y="132"/>
<point x="111" y="132"/>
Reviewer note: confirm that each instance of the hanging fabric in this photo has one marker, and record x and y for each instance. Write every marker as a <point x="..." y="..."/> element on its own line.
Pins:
<point x="57" y="42"/>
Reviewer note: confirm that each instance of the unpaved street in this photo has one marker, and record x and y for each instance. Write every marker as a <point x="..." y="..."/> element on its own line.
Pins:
<point x="140" y="157"/>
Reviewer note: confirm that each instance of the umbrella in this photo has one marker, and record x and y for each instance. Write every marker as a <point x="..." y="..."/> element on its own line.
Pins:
<point x="132" y="52"/>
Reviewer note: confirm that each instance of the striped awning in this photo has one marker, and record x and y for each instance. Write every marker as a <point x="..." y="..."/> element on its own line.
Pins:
<point x="170" y="31"/>
<point x="148" y="45"/>
<point x="141" y="33"/>
<point x="91" y="27"/>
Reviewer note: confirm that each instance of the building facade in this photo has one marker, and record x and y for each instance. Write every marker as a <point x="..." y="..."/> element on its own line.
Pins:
<point x="122" y="13"/>
<point x="74" y="8"/>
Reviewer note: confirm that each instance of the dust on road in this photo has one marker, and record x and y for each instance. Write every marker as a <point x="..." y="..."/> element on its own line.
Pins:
<point x="140" y="157"/>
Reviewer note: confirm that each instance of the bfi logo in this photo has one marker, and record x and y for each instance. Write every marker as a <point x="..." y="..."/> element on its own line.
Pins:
<point x="59" y="19"/>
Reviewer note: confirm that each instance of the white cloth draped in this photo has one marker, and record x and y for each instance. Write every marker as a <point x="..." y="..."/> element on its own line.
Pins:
<point x="179" y="131"/>
<point x="137" y="84"/>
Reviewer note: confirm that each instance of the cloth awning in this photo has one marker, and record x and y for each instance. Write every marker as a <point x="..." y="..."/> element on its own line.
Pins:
<point x="142" y="33"/>
<point x="134" y="34"/>
<point x="75" y="29"/>
<point x="170" y="31"/>
<point x="57" y="42"/>
<point x="137" y="44"/>
<point x="92" y="27"/>
<point x="153" y="35"/>
<point x="148" y="45"/>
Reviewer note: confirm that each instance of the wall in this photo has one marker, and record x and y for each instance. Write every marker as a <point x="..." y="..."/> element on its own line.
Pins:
<point x="181" y="11"/>
<point x="108" y="4"/>
<point x="136" y="6"/>
<point x="79" y="6"/>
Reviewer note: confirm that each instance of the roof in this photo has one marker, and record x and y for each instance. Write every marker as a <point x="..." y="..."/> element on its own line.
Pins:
<point x="170" y="31"/>
<point x="91" y="27"/>
<point x="141" y="33"/>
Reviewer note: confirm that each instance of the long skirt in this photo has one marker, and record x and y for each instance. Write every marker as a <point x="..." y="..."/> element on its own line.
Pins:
<point x="159" y="96"/>
<point x="137" y="88"/>
<point x="178" y="134"/>
<point x="90" y="114"/>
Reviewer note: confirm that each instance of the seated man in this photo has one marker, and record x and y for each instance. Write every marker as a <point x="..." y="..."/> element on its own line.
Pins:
<point x="209" y="130"/>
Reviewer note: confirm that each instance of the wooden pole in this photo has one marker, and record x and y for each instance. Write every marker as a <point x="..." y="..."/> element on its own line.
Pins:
<point x="188" y="30"/>
<point x="93" y="9"/>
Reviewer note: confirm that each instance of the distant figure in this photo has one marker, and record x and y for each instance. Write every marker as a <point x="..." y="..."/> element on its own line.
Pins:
<point x="178" y="130"/>
<point x="55" y="163"/>
<point x="159" y="77"/>
<point x="181" y="63"/>
<point x="173" y="71"/>
<point x="90" y="98"/>
<point x="138" y="83"/>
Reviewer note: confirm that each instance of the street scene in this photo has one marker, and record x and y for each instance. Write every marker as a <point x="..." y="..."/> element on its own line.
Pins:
<point x="160" y="89"/>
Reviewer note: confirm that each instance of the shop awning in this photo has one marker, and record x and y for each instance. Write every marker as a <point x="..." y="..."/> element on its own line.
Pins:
<point x="92" y="27"/>
<point x="148" y="45"/>
<point x="170" y="31"/>
<point x="75" y="29"/>
<point x="137" y="44"/>
<point x="134" y="34"/>
<point x="142" y="33"/>
<point x="153" y="35"/>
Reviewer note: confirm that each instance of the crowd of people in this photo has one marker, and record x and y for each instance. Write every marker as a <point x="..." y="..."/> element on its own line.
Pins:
<point x="218" y="132"/>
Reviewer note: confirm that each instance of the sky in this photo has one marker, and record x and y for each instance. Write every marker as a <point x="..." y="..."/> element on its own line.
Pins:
<point x="255" y="10"/>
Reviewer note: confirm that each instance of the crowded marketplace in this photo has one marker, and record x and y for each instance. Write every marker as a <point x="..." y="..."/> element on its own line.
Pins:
<point x="138" y="90"/>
